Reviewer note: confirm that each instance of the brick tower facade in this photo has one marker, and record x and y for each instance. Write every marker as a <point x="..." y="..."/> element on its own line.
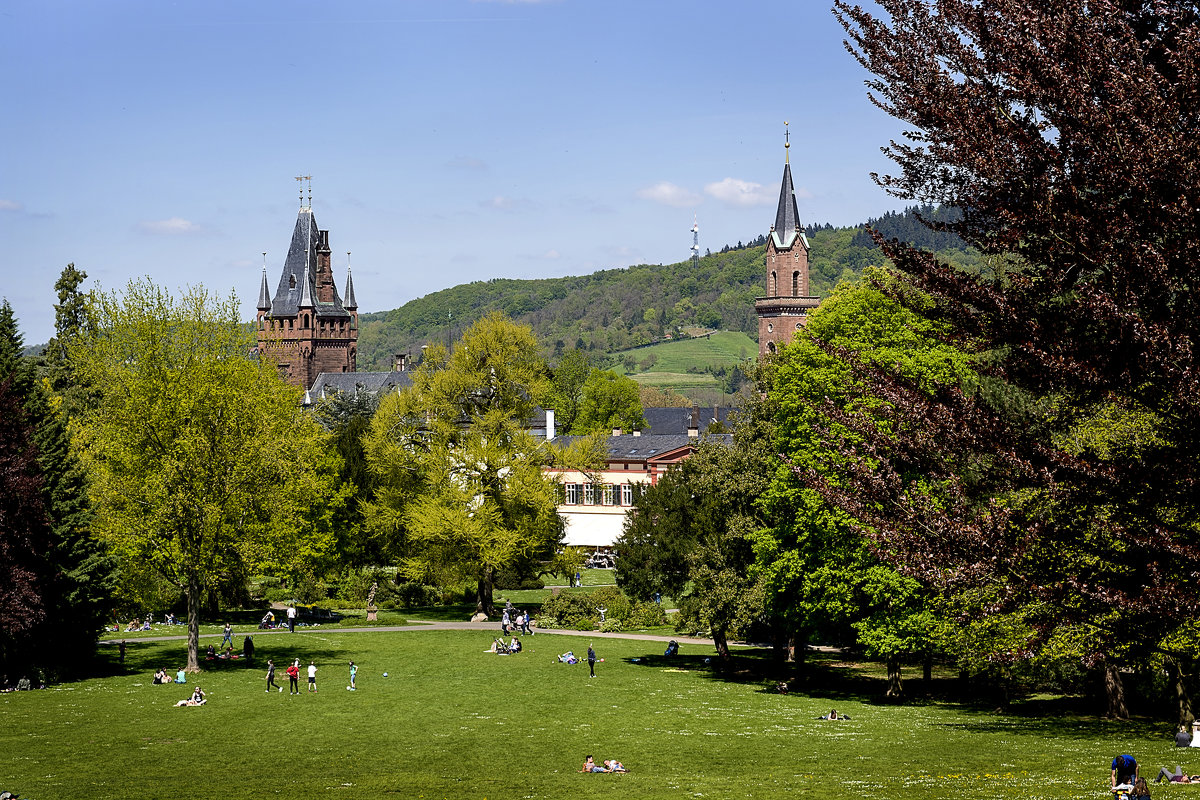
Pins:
<point x="785" y="308"/>
<point x="306" y="328"/>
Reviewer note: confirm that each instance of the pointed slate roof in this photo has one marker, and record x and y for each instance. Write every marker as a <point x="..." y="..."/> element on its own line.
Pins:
<point x="787" y="217"/>
<point x="350" y="301"/>
<point x="264" y="294"/>
<point x="299" y="273"/>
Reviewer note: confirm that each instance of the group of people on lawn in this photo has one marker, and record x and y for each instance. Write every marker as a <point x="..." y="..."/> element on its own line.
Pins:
<point x="611" y="765"/>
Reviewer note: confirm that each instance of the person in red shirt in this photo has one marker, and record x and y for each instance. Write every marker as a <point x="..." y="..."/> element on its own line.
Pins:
<point x="293" y="673"/>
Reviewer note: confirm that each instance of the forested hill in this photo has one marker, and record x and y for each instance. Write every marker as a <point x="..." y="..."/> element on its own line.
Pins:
<point x="616" y="309"/>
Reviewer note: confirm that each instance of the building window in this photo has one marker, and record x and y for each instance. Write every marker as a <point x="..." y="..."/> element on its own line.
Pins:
<point x="796" y="284"/>
<point x="589" y="494"/>
<point x="771" y="288"/>
<point x="626" y="494"/>
<point x="572" y="494"/>
<point x="608" y="494"/>
<point x="770" y="327"/>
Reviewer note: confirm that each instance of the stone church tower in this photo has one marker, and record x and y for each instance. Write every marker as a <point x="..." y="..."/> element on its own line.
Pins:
<point x="306" y="328"/>
<point x="785" y="308"/>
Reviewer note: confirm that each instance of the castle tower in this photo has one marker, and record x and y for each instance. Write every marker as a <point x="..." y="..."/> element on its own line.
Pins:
<point x="305" y="328"/>
<point x="785" y="308"/>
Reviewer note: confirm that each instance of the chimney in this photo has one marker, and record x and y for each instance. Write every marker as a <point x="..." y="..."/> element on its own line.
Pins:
<point x="549" y="424"/>
<point x="401" y="362"/>
<point x="637" y="433"/>
<point x="617" y="431"/>
<point x="694" y="425"/>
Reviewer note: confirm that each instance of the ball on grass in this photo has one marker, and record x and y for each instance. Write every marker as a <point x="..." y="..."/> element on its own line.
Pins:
<point x="385" y="674"/>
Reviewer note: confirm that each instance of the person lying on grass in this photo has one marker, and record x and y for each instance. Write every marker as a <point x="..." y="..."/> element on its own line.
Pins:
<point x="615" y="766"/>
<point x="833" y="715"/>
<point x="1176" y="777"/>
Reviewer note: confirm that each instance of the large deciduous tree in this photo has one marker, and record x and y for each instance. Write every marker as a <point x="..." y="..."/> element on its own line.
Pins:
<point x="1066" y="134"/>
<point x="460" y="477"/>
<point x="203" y="462"/>
<point x="822" y="574"/>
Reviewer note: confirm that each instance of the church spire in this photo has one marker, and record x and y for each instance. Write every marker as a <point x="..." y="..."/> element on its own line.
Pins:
<point x="350" y="303"/>
<point x="306" y="295"/>
<point x="264" y="292"/>
<point x="787" y="217"/>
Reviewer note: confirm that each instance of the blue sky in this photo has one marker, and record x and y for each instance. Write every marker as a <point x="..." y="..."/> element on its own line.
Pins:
<point x="449" y="141"/>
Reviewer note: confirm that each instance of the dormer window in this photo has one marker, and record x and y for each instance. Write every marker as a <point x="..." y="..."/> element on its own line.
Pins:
<point x="292" y="281"/>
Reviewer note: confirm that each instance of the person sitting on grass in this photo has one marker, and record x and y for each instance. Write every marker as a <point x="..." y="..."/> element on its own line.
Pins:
<point x="568" y="658"/>
<point x="1140" y="790"/>
<point x="515" y="645"/>
<point x="161" y="676"/>
<point x="181" y="676"/>
<point x="197" y="699"/>
<point x="211" y="653"/>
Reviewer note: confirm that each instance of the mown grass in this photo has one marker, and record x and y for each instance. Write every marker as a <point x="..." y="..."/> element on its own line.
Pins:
<point x="451" y="721"/>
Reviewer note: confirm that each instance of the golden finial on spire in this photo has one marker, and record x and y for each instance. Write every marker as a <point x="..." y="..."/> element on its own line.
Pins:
<point x="786" y="141"/>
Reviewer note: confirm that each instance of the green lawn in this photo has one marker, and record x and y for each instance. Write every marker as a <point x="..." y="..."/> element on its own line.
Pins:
<point x="451" y="721"/>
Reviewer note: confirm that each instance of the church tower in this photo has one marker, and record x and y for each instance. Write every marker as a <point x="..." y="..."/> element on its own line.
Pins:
<point x="785" y="308"/>
<point x="306" y="328"/>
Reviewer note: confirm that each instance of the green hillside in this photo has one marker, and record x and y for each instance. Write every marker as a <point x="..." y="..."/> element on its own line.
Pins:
<point x="613" y="310"/>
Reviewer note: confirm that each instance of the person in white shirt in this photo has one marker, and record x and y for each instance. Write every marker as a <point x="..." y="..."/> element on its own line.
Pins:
<point x="312" y="676"/>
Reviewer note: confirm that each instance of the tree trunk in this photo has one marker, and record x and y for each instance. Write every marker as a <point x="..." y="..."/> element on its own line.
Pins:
<point x="483" y="594"/>
<point x="1183" y="700"/>
<point x="1114" y="691"/>
<point x="194" y="592"/>
<point x="927" y="674"/>
<point x="718" y="635"/>
<point x="894" y="688"/>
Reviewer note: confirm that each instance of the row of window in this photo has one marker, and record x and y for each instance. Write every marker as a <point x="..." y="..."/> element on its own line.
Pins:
<point x="599" y="494"/>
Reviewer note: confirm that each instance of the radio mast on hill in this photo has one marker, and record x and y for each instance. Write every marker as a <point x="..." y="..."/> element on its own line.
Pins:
<point x="695" y="242"/>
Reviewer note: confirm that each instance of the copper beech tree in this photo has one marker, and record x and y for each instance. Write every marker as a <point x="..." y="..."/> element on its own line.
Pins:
<point x="1067" y="475"/>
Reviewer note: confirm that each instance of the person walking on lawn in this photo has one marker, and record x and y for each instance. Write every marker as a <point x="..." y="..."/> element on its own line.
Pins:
<point x="591" y="660"/>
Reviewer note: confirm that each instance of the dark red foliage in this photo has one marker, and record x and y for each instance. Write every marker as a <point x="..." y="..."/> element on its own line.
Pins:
<point x="23" y="526"/>
<point x="1067" y="134"/>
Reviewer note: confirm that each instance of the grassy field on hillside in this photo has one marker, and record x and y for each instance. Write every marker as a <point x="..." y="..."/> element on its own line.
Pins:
<point x="722" y="348"/>
<point x="451" y="721"/>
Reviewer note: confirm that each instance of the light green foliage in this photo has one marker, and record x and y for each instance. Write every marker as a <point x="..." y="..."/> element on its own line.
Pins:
<point x="609" y="401"/>
<point x="202" y="461"/>
<point x="459" y="475"/>
<point x="820" y="574"/>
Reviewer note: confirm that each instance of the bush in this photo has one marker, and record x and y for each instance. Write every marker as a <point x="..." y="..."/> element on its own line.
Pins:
<point x="578" y="610"/>
<point x="610" y="626"/>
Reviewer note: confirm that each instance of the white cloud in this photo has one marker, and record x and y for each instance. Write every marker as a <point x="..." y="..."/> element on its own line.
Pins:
<point x="10" y="205"/>
<point x="735" y="192"/>
<point x="668" y="194"/>
<point x="175" y="226"/>
<point x="551" y="254"/>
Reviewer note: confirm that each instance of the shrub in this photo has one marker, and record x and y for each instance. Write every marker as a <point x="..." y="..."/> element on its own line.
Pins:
<point x="610" y="626"/>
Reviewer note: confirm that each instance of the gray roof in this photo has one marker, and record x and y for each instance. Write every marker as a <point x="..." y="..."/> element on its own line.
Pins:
<point x="677" y="420"/>
<point x="787" y="217"/>
<point x="350" y="301"/>
<point x="264" y="294"/>
<point x="301" y="267"/>
<point x="352" y="382"/>
<point x="628" y="447"/>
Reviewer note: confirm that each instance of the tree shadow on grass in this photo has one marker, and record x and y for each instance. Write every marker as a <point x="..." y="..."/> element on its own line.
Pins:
<point x="838" y="680"/>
